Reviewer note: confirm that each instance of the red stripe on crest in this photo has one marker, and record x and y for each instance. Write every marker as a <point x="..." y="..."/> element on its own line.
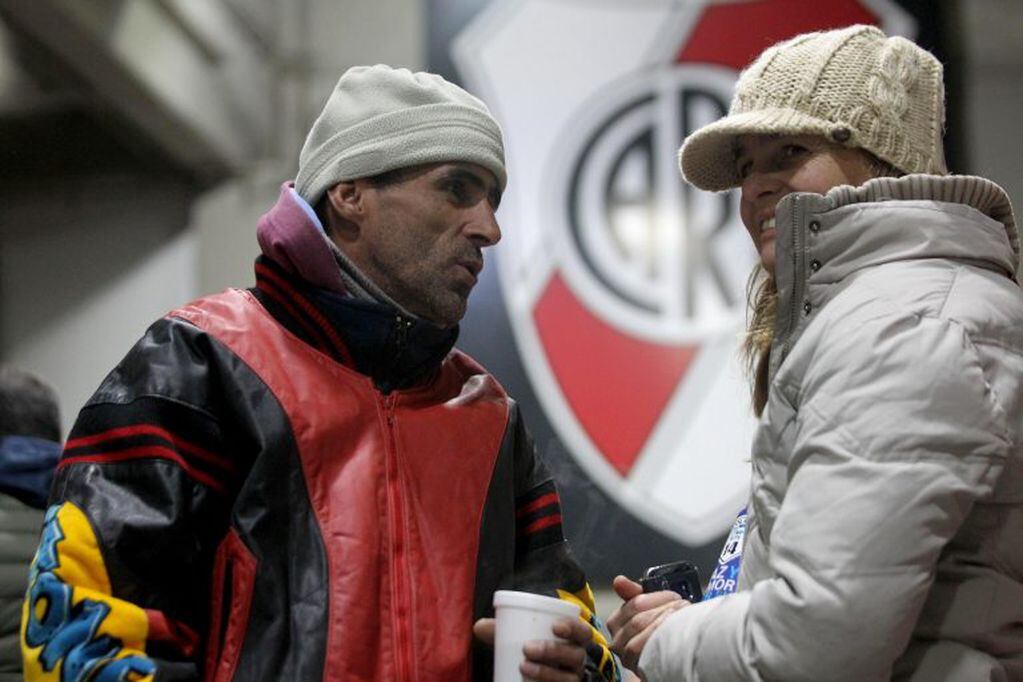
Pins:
<point x="732" y="34"/>
<point x="617" y="385"/>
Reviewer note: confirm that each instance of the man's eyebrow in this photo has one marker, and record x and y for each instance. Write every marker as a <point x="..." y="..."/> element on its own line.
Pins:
<point x="472" y="176"/>
<point x="468" y="174"/>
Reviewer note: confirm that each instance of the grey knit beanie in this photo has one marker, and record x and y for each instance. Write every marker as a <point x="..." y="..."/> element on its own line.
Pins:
<point x="854" y="86"/>
<point x="379" y="119"/>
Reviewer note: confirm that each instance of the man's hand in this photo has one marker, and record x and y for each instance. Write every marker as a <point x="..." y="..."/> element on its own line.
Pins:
<point x="634" y="621"/>
<point x="551" y="660"/>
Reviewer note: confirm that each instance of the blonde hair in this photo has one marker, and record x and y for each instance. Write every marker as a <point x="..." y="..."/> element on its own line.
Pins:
<point x="762" y="307"/>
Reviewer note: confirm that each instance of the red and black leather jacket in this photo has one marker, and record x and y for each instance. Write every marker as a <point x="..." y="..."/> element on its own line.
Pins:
<point x="285" y="483"/>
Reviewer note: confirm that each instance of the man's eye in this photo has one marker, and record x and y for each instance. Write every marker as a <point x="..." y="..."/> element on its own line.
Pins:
<point x="790" y="150"/>
<point x="458" y="191"/>
<point x="743" y="168"/>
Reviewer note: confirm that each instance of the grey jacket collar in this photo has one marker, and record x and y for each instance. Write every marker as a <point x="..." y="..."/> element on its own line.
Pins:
<point x="822" y="239"/>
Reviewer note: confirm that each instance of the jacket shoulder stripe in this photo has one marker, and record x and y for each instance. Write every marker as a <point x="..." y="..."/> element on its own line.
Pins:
<point x="131" y="431"/>
<point x="540" y="524"/>
<point x="146" y="452"/>
<point x="541" y="502"/>
<point x="538" y="517"/>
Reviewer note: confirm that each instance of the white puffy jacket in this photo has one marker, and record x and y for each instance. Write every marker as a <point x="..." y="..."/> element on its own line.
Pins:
<point x="886" y="511"/>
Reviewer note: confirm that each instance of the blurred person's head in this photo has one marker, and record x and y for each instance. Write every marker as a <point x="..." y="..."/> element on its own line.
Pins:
<point x="29" y="436"/>
<point x="28" y="406"/>
<point x="406" y="171"/>
<point x="811" y="113"/>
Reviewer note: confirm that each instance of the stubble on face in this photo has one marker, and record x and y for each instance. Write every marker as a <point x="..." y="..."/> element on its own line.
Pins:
<point x="424" y="239"/>
<point x="412" y="271"/>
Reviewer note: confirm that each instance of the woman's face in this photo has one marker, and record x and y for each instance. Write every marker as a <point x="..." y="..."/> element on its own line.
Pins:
<point x="772" y="166"/>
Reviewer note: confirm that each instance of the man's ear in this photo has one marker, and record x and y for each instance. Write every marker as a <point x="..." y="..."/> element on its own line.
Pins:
<point x="347" y="199"/>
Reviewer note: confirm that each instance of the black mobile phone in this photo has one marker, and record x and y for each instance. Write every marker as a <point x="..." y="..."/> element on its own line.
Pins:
<point x="679" y="576"/>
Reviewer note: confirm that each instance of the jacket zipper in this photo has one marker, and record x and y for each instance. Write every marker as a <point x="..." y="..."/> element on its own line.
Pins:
<point x="400" y="589"/>
<point x="401" y="329"/>
<point x="797" y="279"/>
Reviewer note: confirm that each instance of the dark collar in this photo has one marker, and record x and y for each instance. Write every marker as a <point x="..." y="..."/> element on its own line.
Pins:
<point x="374" y="339"/>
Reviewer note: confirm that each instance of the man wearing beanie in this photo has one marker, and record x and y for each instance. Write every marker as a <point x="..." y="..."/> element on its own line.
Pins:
<point x="883" y="538"/>
<point x="304" y="480"/>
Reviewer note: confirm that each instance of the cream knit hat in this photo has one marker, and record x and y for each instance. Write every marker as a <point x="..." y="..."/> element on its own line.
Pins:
<point x="379" y="119"/>
<point x="854" y="86"/>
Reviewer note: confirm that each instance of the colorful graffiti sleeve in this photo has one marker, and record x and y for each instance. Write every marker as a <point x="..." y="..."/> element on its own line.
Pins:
<point x="72" y="628"/>
<point x="119" y="589"/>
<point x="599" y="652"/>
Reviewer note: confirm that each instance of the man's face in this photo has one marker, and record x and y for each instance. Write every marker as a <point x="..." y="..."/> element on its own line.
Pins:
<point x="772" y="166"/>
<point x="421" y="239"/>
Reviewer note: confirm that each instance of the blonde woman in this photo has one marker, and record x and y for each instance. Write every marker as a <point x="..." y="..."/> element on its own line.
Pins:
<point x="885" y="525"/>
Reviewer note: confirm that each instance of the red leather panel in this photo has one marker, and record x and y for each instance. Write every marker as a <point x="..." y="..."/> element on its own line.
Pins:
<point x="397" y="484"/>
<point x="222" y="656"/>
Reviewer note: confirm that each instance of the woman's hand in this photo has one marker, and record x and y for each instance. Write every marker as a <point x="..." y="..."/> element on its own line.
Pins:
<point x="634" y="621"/>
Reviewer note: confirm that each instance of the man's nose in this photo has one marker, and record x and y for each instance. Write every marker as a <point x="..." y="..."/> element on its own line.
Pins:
<point x="483" y="227"/>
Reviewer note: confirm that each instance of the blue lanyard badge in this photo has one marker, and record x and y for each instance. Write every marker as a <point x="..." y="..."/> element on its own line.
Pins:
<point x="725" y="578"/>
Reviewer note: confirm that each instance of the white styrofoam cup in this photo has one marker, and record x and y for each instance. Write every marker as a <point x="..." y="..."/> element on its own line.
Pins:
<point x="523" y="617"/>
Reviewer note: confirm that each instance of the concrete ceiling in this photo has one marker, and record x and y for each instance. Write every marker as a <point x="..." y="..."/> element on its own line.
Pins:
<point x="170" y="86"/>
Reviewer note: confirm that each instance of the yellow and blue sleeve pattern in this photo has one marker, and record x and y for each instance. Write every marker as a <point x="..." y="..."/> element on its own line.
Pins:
<point x="72" y="627"/>
<point x="599" y="650"/>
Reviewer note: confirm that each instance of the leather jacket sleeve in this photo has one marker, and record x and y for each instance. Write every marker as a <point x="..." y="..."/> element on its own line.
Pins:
<point x="543" y="559"/>
<point x="119" y="587"/>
